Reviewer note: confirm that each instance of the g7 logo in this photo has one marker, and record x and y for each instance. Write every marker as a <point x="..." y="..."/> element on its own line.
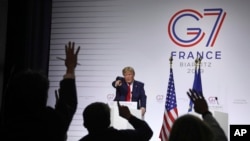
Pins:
<point x="196" y="33"/>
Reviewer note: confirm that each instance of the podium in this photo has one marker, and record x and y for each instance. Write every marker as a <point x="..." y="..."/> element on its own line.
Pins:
<point x="221" y="118"/>
<point x="119" y="122"/>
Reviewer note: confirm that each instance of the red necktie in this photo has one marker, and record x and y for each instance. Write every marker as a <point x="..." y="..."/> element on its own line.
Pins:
<point x="128" y="94"/>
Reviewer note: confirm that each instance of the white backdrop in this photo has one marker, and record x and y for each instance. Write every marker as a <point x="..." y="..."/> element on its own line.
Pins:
<point x="118" y="33"/>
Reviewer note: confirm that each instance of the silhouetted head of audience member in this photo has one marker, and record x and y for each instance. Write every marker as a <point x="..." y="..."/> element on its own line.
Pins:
<point x="190" y="128"/>
<point x="27" y="90"/>
<point x="96" y="117"/>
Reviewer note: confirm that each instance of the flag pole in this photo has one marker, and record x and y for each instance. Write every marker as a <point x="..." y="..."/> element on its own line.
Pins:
<point x="195" y="79"/>
<point x="199" y="61"/>
<point x="171" y="61"/>
<point x="170" y="110"/>
<point x="196" y="63"/>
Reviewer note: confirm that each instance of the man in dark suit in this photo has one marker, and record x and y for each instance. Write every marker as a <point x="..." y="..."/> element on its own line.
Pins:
<point x="128" y="89"/>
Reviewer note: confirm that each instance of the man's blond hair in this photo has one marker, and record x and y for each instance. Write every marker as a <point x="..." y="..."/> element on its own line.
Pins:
<point x="128" y="69"/>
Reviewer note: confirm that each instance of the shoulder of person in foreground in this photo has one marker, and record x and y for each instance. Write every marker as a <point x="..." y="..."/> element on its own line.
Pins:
<point x="190" y="128"/>
<point x="212" y="122"/>
<point x="201" y="107"/>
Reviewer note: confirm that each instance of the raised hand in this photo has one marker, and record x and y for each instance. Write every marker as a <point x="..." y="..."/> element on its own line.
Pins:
<point x="123" y="111"/>
<point x="57" y="97"/>
<point x="200" y="104"/>
<point x="71" y="56"/>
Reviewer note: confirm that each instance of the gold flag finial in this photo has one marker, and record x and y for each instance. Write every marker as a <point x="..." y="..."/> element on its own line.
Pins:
<point x="196" y="62"/>
<point x="200" y="60"/>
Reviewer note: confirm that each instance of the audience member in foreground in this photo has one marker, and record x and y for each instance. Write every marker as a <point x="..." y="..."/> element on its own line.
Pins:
<point x="191" y="128"/>
<point x="27" y="117"/>
<point x="96" y="118"/>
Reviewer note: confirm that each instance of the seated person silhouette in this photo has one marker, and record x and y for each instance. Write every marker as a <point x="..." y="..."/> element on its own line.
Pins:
<point x="96" y="117"/>
<point x="191" y="128"/>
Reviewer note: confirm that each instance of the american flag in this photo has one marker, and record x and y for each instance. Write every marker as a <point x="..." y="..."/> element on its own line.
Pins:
<point x="170" y="110"/>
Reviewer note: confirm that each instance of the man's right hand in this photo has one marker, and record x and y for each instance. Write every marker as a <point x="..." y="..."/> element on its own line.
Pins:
<point x="118" y="83"/>
<point x="124" y="111"/>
